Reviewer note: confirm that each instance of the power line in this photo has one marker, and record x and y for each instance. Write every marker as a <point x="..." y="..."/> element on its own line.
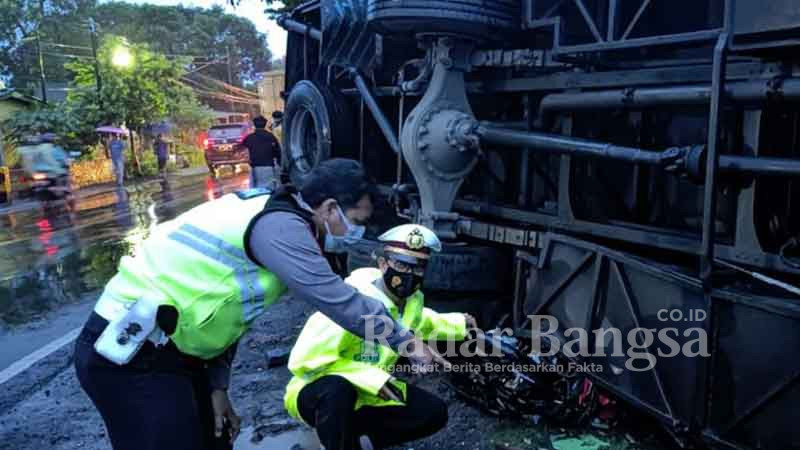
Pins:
<point x="203" y="66"/>
<point x="78" y="47"/>
<point x="57" y="55"/>
<point x="228" y="86"/>
<point x="218" y="95"/>
<point x="227" y="98"/>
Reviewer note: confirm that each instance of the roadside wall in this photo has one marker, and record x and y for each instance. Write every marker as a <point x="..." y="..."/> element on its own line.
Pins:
<point x="88" y="173"/>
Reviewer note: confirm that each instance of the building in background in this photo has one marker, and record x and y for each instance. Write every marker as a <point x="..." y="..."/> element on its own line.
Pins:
<point x="269" y="92"/>
<point x="230" y="117"/>
<point x="13" y="102"/>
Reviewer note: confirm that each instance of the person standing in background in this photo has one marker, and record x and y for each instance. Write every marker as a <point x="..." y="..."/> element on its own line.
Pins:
<point x="117" y="150"/>
<point x="265" y="154"/>
<point x="161" y="149"/>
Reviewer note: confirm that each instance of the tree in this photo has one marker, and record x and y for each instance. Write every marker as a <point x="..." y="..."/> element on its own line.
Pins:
<point x="145" y="92"/>
<point x="207" y="34"/>
<point x="274" y="8"/>
<point x="61" y="22"/>
<point x="211" y="35"/>
<point x="189" y="118"/>
<point x="58" y="119"/>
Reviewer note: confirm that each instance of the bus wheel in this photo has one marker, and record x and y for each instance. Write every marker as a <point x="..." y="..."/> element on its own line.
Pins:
<point x="316" y="128"/>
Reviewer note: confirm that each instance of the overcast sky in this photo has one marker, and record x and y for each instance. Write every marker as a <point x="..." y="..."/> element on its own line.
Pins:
<point x="249" y="9"/>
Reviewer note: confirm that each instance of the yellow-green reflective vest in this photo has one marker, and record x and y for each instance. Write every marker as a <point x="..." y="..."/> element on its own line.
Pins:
<point x="325" y="348"/>
<point x="197" y="263"/>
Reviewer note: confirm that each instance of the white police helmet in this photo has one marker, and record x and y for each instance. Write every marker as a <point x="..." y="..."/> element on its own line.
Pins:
<point x="410" y="243"/>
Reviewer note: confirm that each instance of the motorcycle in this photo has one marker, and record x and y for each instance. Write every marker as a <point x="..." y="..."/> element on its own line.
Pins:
<point x="48" y="166"/>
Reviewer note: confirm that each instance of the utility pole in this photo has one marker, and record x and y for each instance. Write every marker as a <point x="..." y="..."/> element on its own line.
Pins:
<point x="42" y="77"/>
<point x="98" y="82"/>
<point x="93" y="31"/>
<point x="230" y="72"/>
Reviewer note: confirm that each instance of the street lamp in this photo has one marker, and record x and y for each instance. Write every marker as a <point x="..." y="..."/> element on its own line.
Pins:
<point x="121" y="57"/>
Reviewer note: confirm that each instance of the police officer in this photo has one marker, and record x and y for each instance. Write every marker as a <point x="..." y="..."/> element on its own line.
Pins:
<point x="342" y="385"/>
<point x="155" y="355"/>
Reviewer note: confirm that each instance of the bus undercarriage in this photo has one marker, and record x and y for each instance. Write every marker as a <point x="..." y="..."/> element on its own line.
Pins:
<point x="597" y="161"/>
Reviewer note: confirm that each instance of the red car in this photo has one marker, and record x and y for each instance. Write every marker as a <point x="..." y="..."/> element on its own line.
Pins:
<point x="223" y="146"/>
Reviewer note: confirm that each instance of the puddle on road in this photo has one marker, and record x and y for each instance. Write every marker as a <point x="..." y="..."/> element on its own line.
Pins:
<point x="300" y="439"/>
<point x="55" y="260"/>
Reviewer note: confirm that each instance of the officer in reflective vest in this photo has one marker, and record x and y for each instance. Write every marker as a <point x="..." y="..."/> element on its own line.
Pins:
<point x="155" y="355"/>
<point x="342" y="385"/>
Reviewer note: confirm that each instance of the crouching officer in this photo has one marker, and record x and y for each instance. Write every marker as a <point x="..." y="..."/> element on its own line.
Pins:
<point x="155" y="355"/>
<point x="342" y="385"/>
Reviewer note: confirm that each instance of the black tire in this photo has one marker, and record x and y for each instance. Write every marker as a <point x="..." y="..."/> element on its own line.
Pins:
<point x="484" y="19"/>
<point x="457" y="268"/>
<point x="317" y="126"/>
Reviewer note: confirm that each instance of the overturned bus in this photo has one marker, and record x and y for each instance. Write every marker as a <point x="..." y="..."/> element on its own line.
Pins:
<point x="625" y="164"/>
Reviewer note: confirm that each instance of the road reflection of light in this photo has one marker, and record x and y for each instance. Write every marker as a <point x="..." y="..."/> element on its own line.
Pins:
<point x="151" y="212"/>
<point x="45" y="236"/>
<point x="97" y="201"/>
<point x="210" y="189"/>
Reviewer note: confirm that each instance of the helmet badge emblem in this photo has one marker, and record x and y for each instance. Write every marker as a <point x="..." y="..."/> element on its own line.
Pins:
<point x="415" y="240"/>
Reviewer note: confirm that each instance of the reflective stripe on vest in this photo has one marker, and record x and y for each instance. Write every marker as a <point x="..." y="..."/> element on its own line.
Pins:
<point x="197" y="263"/>
<point x="245" y="271"/>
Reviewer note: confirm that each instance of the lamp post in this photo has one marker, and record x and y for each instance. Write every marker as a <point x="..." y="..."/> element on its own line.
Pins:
<point x="122" y="57"/>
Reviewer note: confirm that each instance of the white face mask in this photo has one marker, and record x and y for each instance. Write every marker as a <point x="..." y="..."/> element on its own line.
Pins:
<point x="352" y="234"/>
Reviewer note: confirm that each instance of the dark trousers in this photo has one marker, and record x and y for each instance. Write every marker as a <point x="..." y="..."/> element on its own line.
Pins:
<point x="159" y="401"/>
<point x="327" y="405"/>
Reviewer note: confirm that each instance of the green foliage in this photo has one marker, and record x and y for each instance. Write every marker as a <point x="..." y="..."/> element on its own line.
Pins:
<point x="11" y="157"/>
<point x="62" y="21"/>
<point x="146" y="92"/>
<point x="103" y="261"/>
<point x="288" y="5"/>
<point x="50" y="119"/>
<point x="61" y="119"/>
<point x="189" y="115"/>
<point x="93" y="152"/>
<point x="190" y="156"/>
<point x="147" y="161"/>
<point x="209" y="33"/>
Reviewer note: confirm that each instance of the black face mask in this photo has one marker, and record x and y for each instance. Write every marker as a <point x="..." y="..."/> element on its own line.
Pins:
<point x="401" y="285"/>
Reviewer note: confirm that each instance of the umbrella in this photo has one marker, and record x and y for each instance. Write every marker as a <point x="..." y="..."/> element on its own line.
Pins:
<point x="111" y="130"/>
<point x="161" y="128"/>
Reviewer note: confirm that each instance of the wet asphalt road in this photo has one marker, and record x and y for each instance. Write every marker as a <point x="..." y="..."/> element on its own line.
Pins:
<point x="53" y="264"/>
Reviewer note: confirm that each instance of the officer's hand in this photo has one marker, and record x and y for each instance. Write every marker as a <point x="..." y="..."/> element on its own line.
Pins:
<point x="471" y="322"/>
<point x="424" y="358"/>
<point x="389" y="392"/>
<point x="224" y="413"/>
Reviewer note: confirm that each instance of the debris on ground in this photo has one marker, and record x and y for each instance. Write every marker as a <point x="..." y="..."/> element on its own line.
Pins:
<point x="585" y="442"/>
<point x="508" y="380"/>
<point x="277" y="357"/>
